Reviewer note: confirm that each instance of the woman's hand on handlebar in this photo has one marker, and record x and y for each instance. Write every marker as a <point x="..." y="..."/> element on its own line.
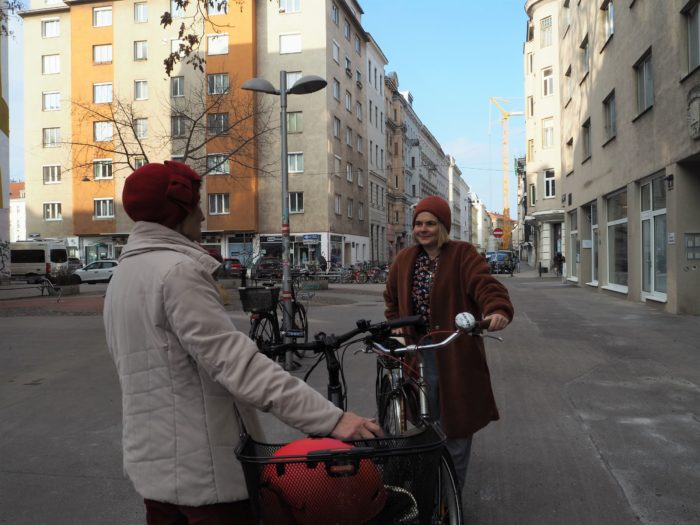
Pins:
<point x="496" y="322"/>
<point x="352" y="426"/>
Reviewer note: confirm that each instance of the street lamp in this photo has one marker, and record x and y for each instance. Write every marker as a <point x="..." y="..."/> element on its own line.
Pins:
<point x="304" y="86"/>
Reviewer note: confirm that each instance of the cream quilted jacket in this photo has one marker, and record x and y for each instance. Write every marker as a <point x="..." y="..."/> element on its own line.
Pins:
<point x="182" y="366"/>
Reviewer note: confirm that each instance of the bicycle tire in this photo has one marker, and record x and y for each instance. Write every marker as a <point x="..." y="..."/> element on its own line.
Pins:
<point x="390" y="408"/>
<point x="264" y="333"/>
<point x="448" y="498"/>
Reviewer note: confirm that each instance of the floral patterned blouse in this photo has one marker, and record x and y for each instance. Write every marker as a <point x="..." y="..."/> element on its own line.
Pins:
<point x="422" y="282"/>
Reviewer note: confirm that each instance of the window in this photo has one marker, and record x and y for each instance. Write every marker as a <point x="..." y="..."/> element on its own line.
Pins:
<point x="292" y="77"/>
<point x="336" y="89"/>
<point x="586" y="139"/>
<point x="217" y="7"/>
<point x="360" y="144"/>
<point x="370" y="111"/>
<point x="654" y="236"/>
<point x="290" y="43"/>
<point x="295" y="122"/>
<point x="217" y="123"/>
<point x="50" y="28"/>
<point x="140" y="89"/>
<point x="336" y="127"/>
<point x="371" y="149"/>
<point x="50" y="100"/>
<point x="348" y="101"/>
<point x="336" y="52"/>
<point x="295" y="162"/>
<point x="530" y="62"/>
<point x="350" y="206"/>
<point x="218" y="203"/>
<point x="177" y="47"/>
<point x="52" y="211"/>
<point x="358" y="110"/>
<point x="178" y="126"/>
<point x="645" y="85"/>
<point x="530" y="150"/>
<point x="334" y="14"/>
<point x="139" y="162"/>
<point x="348" y="66"/>
<point x="569" y="156"/>
<point x="549" y="188"/>
<point x="533" y="194"/>
<point x="52" y="174"/>
<point x="574" y="244"/>
<point x="608" y="19"/>
<point x="217" y="44"/>
<point x="530" y="106"/>
<point x="337" y="163"/>
<point x="217" y="83"/>
<point x="546" y="32"/>
<point x="346" y="29"/>
<point x="617" y="238"/>
<point x="693" y="29"/>
<point x="177" y="11"/>
<point x="141" y="128"/>
<point x="102" y="54"/>
<point x="140" y="50"/>
<point x="547" y="82"/>
<point x="102" y="93"/>
<point x="361" y="211"/>
<point x="360" y="178"/>
<point x="547" y="133"/>
<point x="102" y="169"/>
<point x="584" y="55"/>
<point x="218" y="164"/>
<point x="610" y="116"/>
<point x="296" y="202"/>
<point x="140" y="12"/>
<point x="348" y="137"/>
<point x="290" y="6"/>
<point x="50" y="64"/>
<point x="104" y="208"/>
<point x="337" y="202"/>
<point x="51" y="137"/>
<point x="102" y="131"/>
<point x="177" y="87"/>
<point x="348" y="172"/>
<point x="101" y="16"/>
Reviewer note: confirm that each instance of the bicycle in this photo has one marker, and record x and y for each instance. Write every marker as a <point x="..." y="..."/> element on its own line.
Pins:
<point x="435" y="497"/>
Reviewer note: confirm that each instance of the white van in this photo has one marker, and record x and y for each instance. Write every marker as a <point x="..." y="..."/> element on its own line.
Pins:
<point x="32" y="260"/>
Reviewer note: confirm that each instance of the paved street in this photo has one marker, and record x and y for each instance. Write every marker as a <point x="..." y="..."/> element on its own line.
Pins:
<point x="599" y="401"/>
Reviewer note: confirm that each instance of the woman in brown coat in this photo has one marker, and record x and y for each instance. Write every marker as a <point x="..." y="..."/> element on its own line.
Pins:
<point x="439" y="278"/>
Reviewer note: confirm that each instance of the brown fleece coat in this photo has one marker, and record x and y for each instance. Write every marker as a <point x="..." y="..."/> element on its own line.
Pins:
<point x="461" y="283"/>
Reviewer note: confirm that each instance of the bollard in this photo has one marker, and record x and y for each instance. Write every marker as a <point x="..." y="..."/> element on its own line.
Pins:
<point x="539" y="268"/>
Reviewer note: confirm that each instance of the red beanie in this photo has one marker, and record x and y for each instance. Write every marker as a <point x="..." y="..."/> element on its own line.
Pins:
<point x="163" y="193"/>
<point x="438" y="207"/>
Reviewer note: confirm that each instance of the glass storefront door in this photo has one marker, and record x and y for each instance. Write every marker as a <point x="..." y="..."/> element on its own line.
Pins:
<point x="654" y="249"/>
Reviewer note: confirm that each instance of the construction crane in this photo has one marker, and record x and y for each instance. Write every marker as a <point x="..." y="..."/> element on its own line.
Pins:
<point x="505" y="115"/>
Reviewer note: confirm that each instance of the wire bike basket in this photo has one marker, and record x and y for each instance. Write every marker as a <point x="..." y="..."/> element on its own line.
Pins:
<point x="374" y="482"/>
<point x="259" y="298"/>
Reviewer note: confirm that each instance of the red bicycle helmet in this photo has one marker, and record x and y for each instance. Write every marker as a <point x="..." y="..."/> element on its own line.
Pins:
<point x="309" y="491"/>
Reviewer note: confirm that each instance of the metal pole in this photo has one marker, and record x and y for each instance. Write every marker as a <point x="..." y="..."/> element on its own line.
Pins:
<point x="286" y="274"/>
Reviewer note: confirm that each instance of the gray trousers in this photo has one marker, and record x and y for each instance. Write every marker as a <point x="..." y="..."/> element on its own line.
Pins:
<point x="459" y="448"/>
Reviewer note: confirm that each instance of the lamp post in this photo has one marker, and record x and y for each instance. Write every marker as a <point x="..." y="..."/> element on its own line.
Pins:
<point x="304" y="86"/>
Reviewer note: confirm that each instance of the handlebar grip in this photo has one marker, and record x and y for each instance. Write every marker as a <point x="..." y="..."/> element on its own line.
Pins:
<point x="483" y="324"/>
<point x="414" y="320"/>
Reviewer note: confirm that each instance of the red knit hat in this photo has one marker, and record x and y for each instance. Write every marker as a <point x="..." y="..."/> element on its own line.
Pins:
<point x="163" y="193"/>
<point x="438" y="207"/>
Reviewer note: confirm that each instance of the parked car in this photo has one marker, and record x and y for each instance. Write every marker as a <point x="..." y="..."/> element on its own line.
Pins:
<point x="268" y="268"/>
<point x="502" y="261"/>
<point x="96" y="272"/>
<point x="230" y="268"/>
<point x="74" y="264"/>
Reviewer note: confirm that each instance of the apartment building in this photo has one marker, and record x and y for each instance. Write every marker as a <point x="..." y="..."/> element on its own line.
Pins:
<point x="98" y="105"/>
<point x="376" y="157"/>
<point x="629" y="78"/>
<point x="327" y="141"/>
<point x="456" y="186"/>
<point x="543" y="172"/>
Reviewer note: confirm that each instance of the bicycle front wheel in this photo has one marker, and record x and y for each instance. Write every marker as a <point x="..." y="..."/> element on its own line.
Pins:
<point x="265" y="332"/>
<point x="390" y="408"/>
<point x="448" y="497"/>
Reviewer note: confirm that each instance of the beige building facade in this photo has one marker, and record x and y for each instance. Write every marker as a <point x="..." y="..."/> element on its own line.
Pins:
<point x="629" y="74"/>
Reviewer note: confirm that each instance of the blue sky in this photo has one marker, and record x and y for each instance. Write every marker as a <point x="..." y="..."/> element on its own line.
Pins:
<point x="452" y="59"/>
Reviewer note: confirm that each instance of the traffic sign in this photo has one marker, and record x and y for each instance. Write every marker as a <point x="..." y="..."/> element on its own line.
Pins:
<point x="498" y="233"/>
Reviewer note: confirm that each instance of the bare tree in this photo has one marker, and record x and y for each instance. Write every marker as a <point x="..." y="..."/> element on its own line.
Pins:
<point x="8" y="9"/>
<point x="214" y="128"/>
